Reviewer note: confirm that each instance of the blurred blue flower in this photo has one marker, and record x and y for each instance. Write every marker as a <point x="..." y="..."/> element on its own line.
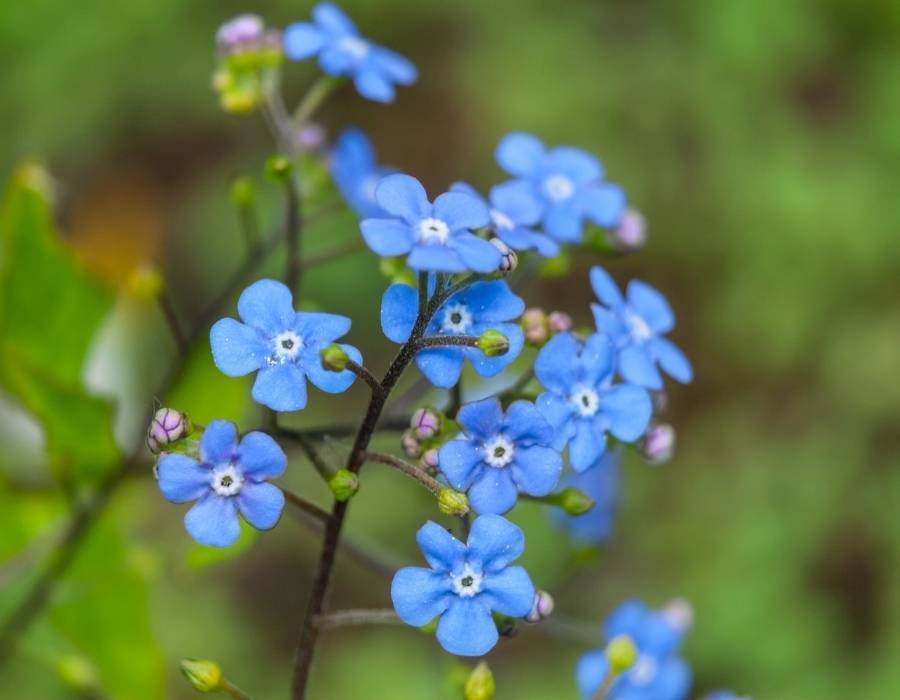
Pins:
<point x="471" y="311"/>
<point x="333" y="37"/>
<point x="581" y="402"/>
<point x="229" y="479"/>
<point x="281" y="345"/>
<point x="356" y="172"/>
<point x="565" y="183"/>
<point x="601" y="483"/>
<point x="658" y="674"/>
<point x="724" y="695"/>
<point x="436" y="237"/>
<point x="513" y="216"/>
<point x="465" y="583"/>
<point x="635" y="324"/>
<point x="500" y="454"/>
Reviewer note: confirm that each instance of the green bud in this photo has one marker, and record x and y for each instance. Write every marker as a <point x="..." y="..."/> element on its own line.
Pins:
<point x="343" y="485"/>
<point x="621" y="653"/>
<point x="493" y="343"/>
<point x="453" y="502"/>
<point x="278" y="168"/>
<point x="242" y="193"/>
<point x="334" y="358"/>
<point x="205" y="676"/>
<point x="574" y="501"/>
<point x="480" y="685"/>
<point x="77" y="672"/>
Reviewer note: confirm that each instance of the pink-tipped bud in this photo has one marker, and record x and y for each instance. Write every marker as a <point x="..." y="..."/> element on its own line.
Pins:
<point x="658" y="445"/>
<point x="559" y="322"/>
<point x="425" y="423"/>
<point x="542" y="608"/>
<point x="679" y="613"/>
<point x="509" y="260"/>
<point x="535" y="326"/>
<point x="430" y="458"/>
<point x="410" y="444"/>
<point x="240" y="32"/>
<point x="631" y="233"/>
<point x="167" y="426"/>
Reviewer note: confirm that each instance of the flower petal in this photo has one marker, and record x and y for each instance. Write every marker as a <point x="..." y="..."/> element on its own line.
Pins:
<point x="628" y="409"/>
<point x="442" y="551"/>
<point x="489" y="302"/>
<point x="494" y="542"/>
<point x="420" y="595"/>
<point x="510" y="591"/>
<point x="597" y="359"/>
<point x="387" y="237"/>
<point x="403" y="196"/>
<point x="461" y="211"/>
<point x="478" y="254"/>
<point x="520" y="154"/>
<point x="590" y="672"/>
<point x="576" y="164"/>
<point x="608" y="323"/>
<point x="587" y="445"/>
<point x="373" y="84"/>
<point x="267" y="305"/>
<point x="636" y="366"/>
<point x="650" y="305"/>
<point x="673" y="679"/>
<point x="281" y="387"/>
<point x="326" y="380"/>
<point x="261" y="457"/>
<point x="518" y="200"/>
<point x="563" y="222"/>
<point x="219" y="442"/>
<point x="396" y="67"/>
<point x="213" y="521"/>
<point x="481" y="419"/>
<point x="459" y="461"/>
<point x="302" y="40"/>
<point x="181" y="478"/>
<point x="524" y="423"/>
<point x="526" y="239"/>
<point x="536" y="469"/>
<point x="556" y="365"/>
<point x="319" y="329"/>
<point x="335" y="60"/>
<point x="332" y="19"/>
<point x="237" y="348"/>
<point x="672" y="360"/>
<point x="441" y="366"/>
<point x="603" y="204"/>
<point x="466" y="188"/>
<point x="467" y="628"/>
<point x="436" y="258"/>
<point x="605" y="288"/>
<point x="260" y="504"/>
<point x="493" y="491"/>
<point x="557" y="411"/>
<point x="399" y="308"/>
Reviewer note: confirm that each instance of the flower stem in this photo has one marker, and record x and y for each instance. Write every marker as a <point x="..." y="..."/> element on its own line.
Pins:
<point x="345" y="618"/>
<point x="410" y="470"/>
<point x="231" y="689"/>
<point x="443" y="341"/>
<point x="313" y="99"/>
<point x="364" y="374"/>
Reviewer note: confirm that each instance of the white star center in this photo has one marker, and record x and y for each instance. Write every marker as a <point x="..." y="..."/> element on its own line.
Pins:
<point x="226" y="480"/>
<point x="356" y="47"/>
<point x="498" y="451"/>
<point x="433" y="230"/>
<point x="558" y="187"/>
<point x="286" y="346"/>
<point x="457" y="319"/>
<point x="644" y="671"/>
<point x="467" y="583"/>
<point x="637" y="326"/>
<point x="586" y="400"/>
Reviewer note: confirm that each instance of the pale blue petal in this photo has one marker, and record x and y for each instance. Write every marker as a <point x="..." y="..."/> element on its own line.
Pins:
<point x="182" y="479"/>
<point x="563" y="222"/>
<point x="332" y="19"/>
<point x="213" y="521"/>
<point x="260" y="504"/>
<point x="466" y="188"/>
<point x="577" y="165"/>
<point x="518" y="201"/>
<point x="556" y="364"/>
<point x="302" y="40"/>
<point x="403" y="196"/>
<point x="673" y="680"/>
<point x="459" y="461"/>
<point x="651" y="306"/>
<point x="260" y="457"/>
<point x="637" y="366"/>
<point x="481" y="419"/>
<point x="526" y="239"/>
<point x="510" y="591"/>
<point x="587" y="445"/>
<point x="399" y="308"/>
<point x="318" y="329"/>
<point x="267" y="305"/>
<point x="467" y="628"/>
<point x="557" y="411"/>
<point x="281" y="387"/>
<point x="672" y="360"/>
<point x="608" y="323"/>
<point x="603" y="204"/>
<point x="387" y="237"/>
<point x="398" y="68"/>
<point x="490" y="302"/>
<point x="605" y="288"/>
<point x="628" y="409"/>
<point x="523" y="423"/>
<point x="372" y="84"/>
<point x="494" y="542"/>
<point x="237" y="348"/>
<point x="420" y="595"/>
<point x="520" y="154"/>
<point x="437" y="258"/>
<point x="492" y="366"/>
<point x="335" y="60"/>
<point x="597" y="359"/>
<point x="441" y="366"/>
<point x="590" y="673"/>
<point x="461" y="211"/>
<point x="628" y="618"/>
<point x="493" y="491"/>
<point x="536" y="469"/>
<point x="326" y="380"/>
<point x="442" y="551"/>
<point x="477" y="254"/>
<point x="219" y="442"/>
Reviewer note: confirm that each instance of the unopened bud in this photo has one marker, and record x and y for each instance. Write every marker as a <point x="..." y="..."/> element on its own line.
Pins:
<point x="205" y="676"/>
<point x="493" y="343"/>
<point x="240" y="32"/>
<point x="145" y="282"/>
<point x="621" y="654"/>
<point x="334" y="358"/>
<point x="480" y="684"/>
<point x="243" y="193"/>
<point x="543" y="606"/>
<point x="509" y="260"/>
<point x="679" y="613"/>
<point x="453" y="502"/>
<point x="344" y="484"/>
<point x="430" y="459"/>
<point x="310" y="137"/>
<point x="426" y="423"/>
<point x="631" y="233"/>
<point x="410" y="444"/>
<point x="167" y="426"/>
<point x="535" y="326"/>
<point x="278" y="168"/>
<point x="559" y="322"/>
<point x="658" y="445"/>
<point x="574" y="501"/>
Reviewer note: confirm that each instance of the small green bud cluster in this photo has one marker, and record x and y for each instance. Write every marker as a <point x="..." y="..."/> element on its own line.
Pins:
<point x="248" y="51"/>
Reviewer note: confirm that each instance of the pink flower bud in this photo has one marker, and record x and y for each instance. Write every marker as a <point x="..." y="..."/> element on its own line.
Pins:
<point x="559" y="321"/>
<point x="426" y="423"/>
<point x="631" y="233"/>
<point x="509" y="260"/>
<point x="535" y="326"/>
<point x="658" y="444"/>
<point x="410" y="444"/>
<point x="543" y="606"/>
<point x="167" y="426"/>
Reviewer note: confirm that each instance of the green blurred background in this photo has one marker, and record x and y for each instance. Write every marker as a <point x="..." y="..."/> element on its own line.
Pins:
<point x="761" y="139"/>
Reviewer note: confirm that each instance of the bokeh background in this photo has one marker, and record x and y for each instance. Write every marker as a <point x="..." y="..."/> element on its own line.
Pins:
<point x="761" y="139"/>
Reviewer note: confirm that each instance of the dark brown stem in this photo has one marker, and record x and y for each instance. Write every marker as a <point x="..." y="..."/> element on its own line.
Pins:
<point x="171" y="316"/>
<point x="364" y="374"/>
<point x="444" y="341"/>
<point x="345" y="618"/>
<point x="410" y="470"/>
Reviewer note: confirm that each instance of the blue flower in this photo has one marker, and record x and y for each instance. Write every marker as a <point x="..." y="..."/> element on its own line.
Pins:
<point x="581" y="402"/>
<point x="436" y="237"/>
<point x="499" y="455"/>
<point x="281" y="345"/>
<point x="343" y="52"/>
<point x="564" y="182"/>
<point x="471" y="311"/>
<point x="636" y="324"/>
<point x="658" y="674"/>
<point x="356" y="172"/>
<point x="465" y="583"/>
<point x="229" y="479"/>
<point x="723" y="695"/>
<point x="601" y="483"/>
<point x="513" y="216"/>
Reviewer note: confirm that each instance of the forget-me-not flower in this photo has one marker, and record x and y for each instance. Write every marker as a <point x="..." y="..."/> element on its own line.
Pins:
<point x="356" y="172"/>
<point x="229" y="479"/>
<point x="281" y="345"/>
<point x="500" y="454"/>
<point x="658" y="674"/>
<point x="470" y="312"/>
<point x="333" y="37"/>
<point x="513" y="217"/>
<point x="565" y="182"/>
<point x="601" y="483"/>
<point x="464" y="583"/>
<point x="581" y="401"/>
<point x="636" y="324"/>
<point x="436" y="237"/>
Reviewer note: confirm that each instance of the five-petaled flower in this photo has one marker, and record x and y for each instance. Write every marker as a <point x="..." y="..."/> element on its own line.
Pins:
<point x="229" y="479"/>
<point x="582" y="403"/>
<point x="659" y="673"/>
<point x="500" y="454"/>
<point x="469" y="312"/>
<point x="564" y="182"/>
<point x="601" y="483"/>
<point x="333" y="37"/>
<point x="356" y="172"/>
<point x="514" y="215"/>
<point x="636" y="323"/>
<point x="435" y="237"/>
<point x="465" y="583"/>
<point x="281" y="345"/>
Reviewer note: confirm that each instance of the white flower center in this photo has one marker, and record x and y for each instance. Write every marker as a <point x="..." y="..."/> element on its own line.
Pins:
<point x="501" y="221"/>
<point x="586" y="400"/>
<point x="558" y="187"/>
<point x="287" y="346"/>
<point x="498" y="451"/>
<point x="356" y="47"/>
<point x="644" y="671"/>
<point x="433" y="231"/>
<point x="637" y="326"/>
<point x="226" y="480"/>
<point x="467" y="583"/>
<point x="457" y="319"/>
